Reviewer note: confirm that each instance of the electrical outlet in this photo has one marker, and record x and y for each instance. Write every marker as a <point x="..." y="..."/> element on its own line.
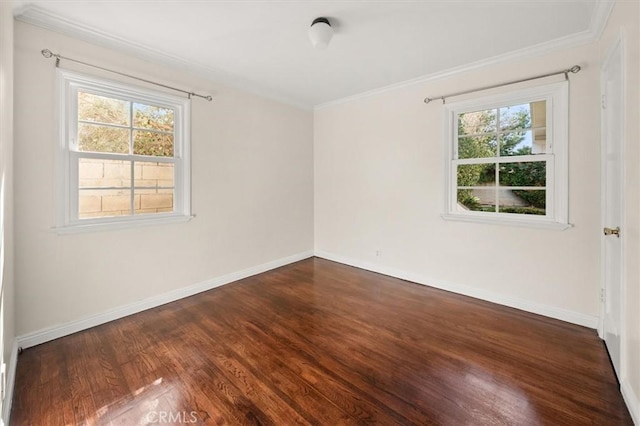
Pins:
<point x="378" y="253"/>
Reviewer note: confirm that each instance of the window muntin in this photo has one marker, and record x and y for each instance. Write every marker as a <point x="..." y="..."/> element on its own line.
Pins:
<point x="503" y="160"/>
<point x="123" y="153"/>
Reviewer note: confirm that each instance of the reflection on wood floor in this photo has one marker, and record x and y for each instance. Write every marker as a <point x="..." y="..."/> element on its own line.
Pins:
<point x="318" y="342"/>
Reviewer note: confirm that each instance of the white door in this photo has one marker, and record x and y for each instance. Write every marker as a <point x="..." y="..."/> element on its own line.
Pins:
<point x="612" y="199"/>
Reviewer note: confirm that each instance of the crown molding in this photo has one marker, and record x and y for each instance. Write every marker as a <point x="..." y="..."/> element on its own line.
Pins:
<point x="35" y="15"/>
<point x="567" y="42"/>
<point x="600" y="15"/>
<point x="40" y="17"/>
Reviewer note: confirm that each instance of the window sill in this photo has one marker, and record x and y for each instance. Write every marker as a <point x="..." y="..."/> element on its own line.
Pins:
<point x="96" y="226"/>
<point x="509" y="222"/>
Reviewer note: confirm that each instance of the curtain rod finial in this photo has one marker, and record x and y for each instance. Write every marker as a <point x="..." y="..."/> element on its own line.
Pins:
<point x="575" y="69"/>
<point x="46" y="53"/>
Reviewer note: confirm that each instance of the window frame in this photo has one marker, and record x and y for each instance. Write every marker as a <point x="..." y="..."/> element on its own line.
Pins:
<point x="556" y="96"/>
<point x="67" y="157"/>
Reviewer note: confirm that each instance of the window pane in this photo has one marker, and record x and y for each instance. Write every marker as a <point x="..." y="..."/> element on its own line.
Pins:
<point x="530" y="173"/>
<point x="152" y="143"/>
<point x="471" y="123"/>
<point x="477" y="146"/>
<point x="476" y="174"/>
<point x="152" y="117"/>
<point x="523" y="202"/>
<point x="100" y="109"/>
<point x="154" y="200"/>
<point x="539" y="142"/>
<point x="153" y="174"/>
<point x="96" y="138"/>
<point x="468" y="200"/>
<point x="154" y="187"/>
<point x="523" y="143"/>
<point x="97" y="173"/>
<point x="104" y="202"/>
<point x="515" y="117"/>
<point x="538" y="114"/>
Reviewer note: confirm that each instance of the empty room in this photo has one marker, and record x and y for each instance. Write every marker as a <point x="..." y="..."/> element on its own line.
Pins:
<point x="284" y="212"/>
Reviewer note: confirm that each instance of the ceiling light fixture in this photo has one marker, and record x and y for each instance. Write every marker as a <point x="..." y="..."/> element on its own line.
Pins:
<point x="320" y="33"/>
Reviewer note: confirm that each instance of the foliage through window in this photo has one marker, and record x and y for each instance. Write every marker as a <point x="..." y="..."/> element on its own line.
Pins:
<point x="507" y="157"/>
<point x="125" y="149"/>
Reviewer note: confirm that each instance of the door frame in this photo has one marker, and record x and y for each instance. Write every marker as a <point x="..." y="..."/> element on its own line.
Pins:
<point x="618" y="42"/>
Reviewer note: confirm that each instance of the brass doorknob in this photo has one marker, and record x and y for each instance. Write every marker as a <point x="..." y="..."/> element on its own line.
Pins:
<point x="612" y="231"/>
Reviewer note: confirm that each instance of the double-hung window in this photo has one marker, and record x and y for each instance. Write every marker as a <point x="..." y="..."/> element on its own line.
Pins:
<point x="506" y="158"/>
<point x="123" y="155"/>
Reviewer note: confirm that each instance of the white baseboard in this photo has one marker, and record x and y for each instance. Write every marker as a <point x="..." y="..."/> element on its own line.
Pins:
<point x="633" y="403"/>
<point x="55" y="332"/>
<point x="478" y="293"/>
<point x="10" y="381"/>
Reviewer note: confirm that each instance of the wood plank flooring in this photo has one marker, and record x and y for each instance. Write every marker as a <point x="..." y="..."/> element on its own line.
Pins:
<point x="318" y="342"/>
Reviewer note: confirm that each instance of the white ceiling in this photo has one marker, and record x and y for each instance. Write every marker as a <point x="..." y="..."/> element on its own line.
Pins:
<point x="262" y="46"/>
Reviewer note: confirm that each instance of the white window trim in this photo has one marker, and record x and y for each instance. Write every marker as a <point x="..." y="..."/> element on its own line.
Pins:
<point x="557" y="97"/>
<point x="67" y="85"/>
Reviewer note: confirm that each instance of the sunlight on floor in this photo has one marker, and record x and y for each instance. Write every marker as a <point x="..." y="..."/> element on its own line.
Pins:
<point x="143" y="407"/>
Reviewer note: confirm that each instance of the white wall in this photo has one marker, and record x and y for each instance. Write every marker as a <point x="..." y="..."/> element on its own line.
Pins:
<point x="625" y="19"/>
<point x="252" y="175"/>
<point x="379" y="186"/>
<point x="6" y="187"/>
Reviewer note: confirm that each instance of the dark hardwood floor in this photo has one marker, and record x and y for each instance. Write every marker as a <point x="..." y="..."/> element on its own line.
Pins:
<point x="318" y="342"/>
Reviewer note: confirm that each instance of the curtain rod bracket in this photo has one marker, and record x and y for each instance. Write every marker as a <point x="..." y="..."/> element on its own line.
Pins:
<point x="49" y="54"/>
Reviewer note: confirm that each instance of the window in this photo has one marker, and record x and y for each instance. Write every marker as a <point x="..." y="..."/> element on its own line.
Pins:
<point x="507" y="158"/>
<point x="123" y="157"/>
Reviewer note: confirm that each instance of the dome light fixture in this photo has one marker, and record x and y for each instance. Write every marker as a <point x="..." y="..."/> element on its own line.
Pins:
<point x="320" y="33"/>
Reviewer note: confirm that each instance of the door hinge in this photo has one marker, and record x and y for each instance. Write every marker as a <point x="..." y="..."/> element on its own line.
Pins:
<point x="604" y="102"/>
<point x="602" y="295"/>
